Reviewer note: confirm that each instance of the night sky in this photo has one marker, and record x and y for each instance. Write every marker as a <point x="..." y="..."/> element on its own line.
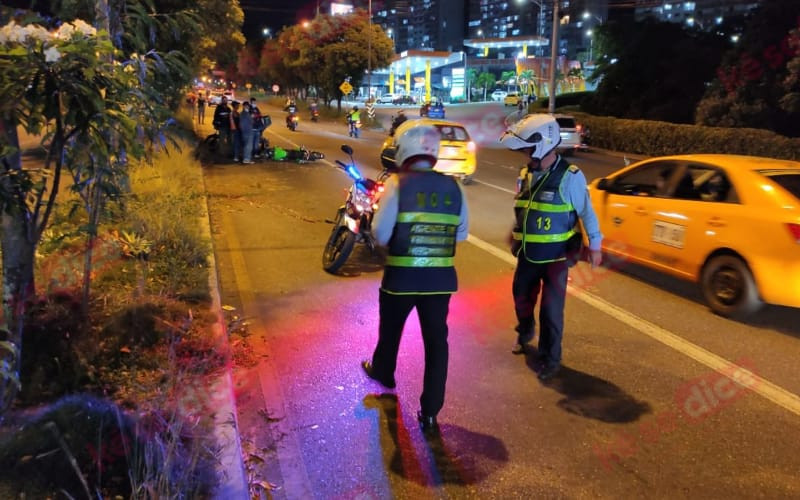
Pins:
<point x="273" y="14"/>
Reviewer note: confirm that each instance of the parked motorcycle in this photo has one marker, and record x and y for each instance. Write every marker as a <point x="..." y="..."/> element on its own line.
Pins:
<point x="353" y="222"/>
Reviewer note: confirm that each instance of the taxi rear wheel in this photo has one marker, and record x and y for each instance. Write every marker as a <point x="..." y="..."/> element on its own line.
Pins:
<point x="729" y="288"/>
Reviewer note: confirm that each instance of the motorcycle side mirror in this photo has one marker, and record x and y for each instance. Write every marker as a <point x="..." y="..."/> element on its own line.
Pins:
<point x="347" y="149"/>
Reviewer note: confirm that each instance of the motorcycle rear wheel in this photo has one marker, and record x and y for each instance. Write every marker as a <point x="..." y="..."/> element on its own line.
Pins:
<point x="338" y="249"/>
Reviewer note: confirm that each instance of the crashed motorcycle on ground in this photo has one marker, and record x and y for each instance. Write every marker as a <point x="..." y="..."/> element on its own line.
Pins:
<point x="353" y="221"/>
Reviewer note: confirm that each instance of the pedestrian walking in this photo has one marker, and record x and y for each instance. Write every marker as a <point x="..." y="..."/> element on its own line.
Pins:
<point x="421" y="216"/>
<point x="201" y="108"/>
<point x="552" y="198"/>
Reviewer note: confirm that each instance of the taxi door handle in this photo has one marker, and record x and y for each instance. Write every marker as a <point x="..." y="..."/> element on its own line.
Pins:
<point x="640" y="211"/>
<point x="717" y="222"/>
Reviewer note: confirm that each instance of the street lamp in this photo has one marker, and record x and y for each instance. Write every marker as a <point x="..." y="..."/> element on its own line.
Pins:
<point x="590" y="34"/>
<point x="265" y="32"/>
<point x="587" y="15"/>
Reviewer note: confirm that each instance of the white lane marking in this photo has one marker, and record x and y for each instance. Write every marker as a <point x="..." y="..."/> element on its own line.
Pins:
<point x="495" y="186"/>
<point x="761" y="386"/>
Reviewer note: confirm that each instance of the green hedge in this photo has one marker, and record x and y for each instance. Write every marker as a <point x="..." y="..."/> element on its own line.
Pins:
<point x="653" y="138"/>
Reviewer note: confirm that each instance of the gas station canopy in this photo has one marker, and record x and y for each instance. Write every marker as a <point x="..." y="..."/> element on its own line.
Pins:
<point x="508" y="42"/>
<point x="416" y="60"/>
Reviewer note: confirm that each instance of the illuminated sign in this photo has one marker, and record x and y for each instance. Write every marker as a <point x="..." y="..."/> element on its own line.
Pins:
<point x="341" y="8"/>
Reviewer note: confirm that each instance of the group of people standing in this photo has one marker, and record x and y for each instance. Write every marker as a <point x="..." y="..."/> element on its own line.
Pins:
<point x="239" y="129"/>
<point x="421" y="216"/>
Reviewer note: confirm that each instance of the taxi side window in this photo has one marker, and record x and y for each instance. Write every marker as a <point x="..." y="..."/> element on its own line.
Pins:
<point x="648" y="180"/>
<point x="711" y="184"/>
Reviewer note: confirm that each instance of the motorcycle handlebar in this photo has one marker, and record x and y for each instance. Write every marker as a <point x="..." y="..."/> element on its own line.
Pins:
<point x="339" y="162"/>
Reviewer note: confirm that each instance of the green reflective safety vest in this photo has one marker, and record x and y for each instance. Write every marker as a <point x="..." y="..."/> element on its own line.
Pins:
<point x="545" y="221"/>
<point x="423" y="243"/>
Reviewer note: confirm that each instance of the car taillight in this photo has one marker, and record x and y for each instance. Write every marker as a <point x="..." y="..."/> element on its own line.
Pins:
<point x="579" y="128"/>
<point x="794" y="229"/>
<point x="471" y="147"/>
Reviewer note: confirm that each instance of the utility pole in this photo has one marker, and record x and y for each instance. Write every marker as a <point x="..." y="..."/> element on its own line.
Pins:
<point x="369" y="51"/>
<point x="553" y="58"/>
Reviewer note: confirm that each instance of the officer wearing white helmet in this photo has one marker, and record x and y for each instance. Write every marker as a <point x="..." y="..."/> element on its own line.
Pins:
<point x="546" y="237"/>
<point x="422" y="214"/>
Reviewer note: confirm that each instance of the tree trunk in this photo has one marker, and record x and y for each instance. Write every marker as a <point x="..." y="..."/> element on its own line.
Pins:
<point x="17" y="247"/>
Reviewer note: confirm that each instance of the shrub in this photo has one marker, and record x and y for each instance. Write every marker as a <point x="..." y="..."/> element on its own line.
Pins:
<point x="654" y="138"/>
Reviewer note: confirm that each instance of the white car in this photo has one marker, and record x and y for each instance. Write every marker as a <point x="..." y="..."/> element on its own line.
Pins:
<point x="571" y="134"/>
<point x="388" y="98"/>
<point x="499" y="95"/>
<point x="216" y="97"/>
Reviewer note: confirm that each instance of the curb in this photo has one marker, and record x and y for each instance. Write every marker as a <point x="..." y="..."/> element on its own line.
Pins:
<point x="230" y="468"/>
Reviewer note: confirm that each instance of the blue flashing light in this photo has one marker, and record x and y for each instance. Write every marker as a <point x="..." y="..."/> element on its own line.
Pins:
<point x="353" y="172"/>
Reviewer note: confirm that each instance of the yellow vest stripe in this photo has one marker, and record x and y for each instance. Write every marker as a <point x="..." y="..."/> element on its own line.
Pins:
<point x="544" y="238"/>
<point x="545" y="207"/>
<point x="428" y="217"/>
<point x="398" y="261"/>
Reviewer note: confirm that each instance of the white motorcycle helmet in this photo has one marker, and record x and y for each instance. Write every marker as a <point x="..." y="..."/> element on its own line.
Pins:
<point x="538" y="131"/>
<point x="419" y="140"/>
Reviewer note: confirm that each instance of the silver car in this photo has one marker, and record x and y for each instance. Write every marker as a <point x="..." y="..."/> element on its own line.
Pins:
<point x="571" y="136"/>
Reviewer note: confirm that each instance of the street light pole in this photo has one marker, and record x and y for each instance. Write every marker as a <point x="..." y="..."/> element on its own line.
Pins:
<point x="590" y="34"/>
<point x="553" y="57"/>
<point x="369" y="52"/>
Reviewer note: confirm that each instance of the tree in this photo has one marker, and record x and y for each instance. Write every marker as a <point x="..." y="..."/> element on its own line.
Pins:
<point x="506" y="77"/>
<point x="790" y="102"/>
<point x="526" y="81"/>
<point x="756" y="82"/>
<point x="328" y="51"/>
<point x="653" y="70"/>
<point x="101" y="112"/>
<point x="471" y="79"/>
<point x="486" y="80"/>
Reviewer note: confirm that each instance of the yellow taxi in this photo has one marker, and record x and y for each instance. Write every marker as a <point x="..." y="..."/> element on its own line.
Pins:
<point x="511" y="99"/>
<point x="457" y="151"/>
<point x="730" y="223"/>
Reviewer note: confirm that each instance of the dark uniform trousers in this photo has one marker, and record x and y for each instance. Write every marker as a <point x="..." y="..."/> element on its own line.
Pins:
<point x="432" y="310"/>
<point x="551" y="279"/>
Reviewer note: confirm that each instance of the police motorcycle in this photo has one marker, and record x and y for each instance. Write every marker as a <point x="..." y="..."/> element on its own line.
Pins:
<point x="353" y="222"/>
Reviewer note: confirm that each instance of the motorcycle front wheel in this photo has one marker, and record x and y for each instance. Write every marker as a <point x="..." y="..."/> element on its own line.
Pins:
<point x="338" y="249"/>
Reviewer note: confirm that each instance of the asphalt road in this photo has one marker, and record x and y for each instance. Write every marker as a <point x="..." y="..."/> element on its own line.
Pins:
<point x="644" y="406"/>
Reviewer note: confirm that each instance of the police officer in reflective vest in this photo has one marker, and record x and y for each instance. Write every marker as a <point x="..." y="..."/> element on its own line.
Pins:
<point x="421" y="216"/>
<point x="552" y="197"/>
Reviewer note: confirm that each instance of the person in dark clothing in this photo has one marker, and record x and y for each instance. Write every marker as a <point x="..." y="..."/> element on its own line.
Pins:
<point x="236" y="132"/>
<point x="421" y="216"/>
<point x="222" y="124"/>
<point x="552" y="197"/>
<point x="201" y="108"/>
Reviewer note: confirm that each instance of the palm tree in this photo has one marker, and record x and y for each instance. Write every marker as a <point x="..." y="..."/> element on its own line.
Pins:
<point x="574" y="75"/>
<point x="506" y="77"/>
<point x="526" y="80"/>
<point x="484" y="81"/>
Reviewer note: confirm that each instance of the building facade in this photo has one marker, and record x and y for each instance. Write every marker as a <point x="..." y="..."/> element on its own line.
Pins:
<point x="705" y="14"/>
